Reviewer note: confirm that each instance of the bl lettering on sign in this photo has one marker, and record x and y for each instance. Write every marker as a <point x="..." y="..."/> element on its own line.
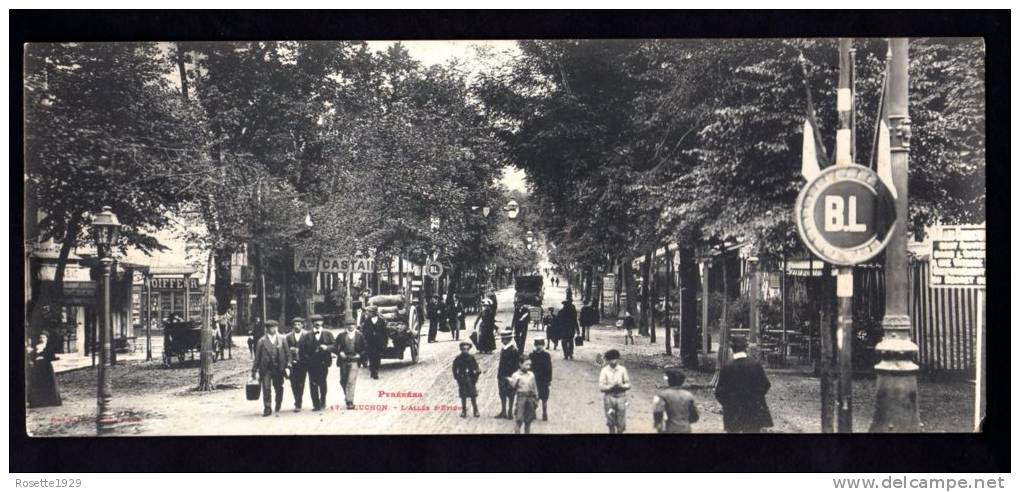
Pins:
<point x="841" y="215"/>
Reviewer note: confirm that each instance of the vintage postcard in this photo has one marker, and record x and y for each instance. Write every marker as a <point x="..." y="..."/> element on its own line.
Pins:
<point x="569" y="236"/>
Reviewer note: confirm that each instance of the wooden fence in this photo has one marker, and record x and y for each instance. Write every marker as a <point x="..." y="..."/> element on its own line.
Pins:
<point x="944" y="323"/>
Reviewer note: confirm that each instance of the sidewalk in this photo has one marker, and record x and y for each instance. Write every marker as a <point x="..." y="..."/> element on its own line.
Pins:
<point x="78" y="360"/>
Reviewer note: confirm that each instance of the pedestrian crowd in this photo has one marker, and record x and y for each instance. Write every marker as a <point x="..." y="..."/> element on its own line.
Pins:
<point x="523" y="379"/>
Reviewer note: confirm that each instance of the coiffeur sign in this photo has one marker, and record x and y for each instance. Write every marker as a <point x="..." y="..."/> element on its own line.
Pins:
<point x="307" y="262"/>
<point x="845" y="215"/>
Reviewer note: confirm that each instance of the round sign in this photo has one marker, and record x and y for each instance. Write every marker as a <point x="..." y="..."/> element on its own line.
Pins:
<point x="845" y="215"/>
<point x="434" y="270"/>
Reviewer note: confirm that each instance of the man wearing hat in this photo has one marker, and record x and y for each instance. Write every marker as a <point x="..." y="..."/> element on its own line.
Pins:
<point x="521" y="323"/>
<point x="466" y="372"/>
<point x="316" y="353"/>
<point x="741" y="391"/>
<point x="298" y="372"/>
<point x="541" y="365"/>
<point x="614" y="383"/>
<point x="567" y="328"/>
<point x="350" y="348"/>
<point x="509" y="361"/>
<point x="373" y="327"/>
<point x="673" y="407"/>
<point x="272" y="356"/>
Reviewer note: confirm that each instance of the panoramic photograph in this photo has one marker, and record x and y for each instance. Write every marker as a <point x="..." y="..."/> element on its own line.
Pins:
<point x="557" y="236"/>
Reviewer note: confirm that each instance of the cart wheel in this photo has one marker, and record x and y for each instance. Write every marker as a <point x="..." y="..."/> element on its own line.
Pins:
<point x="414" y="350"/>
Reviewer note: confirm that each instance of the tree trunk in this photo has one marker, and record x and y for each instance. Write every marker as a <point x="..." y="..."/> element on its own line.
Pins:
<point x="205" y="375"/>
<point x="646" y="268"/>
<point x="653" y="296"/>
<point x="668" y="335"/>
<point x="223" y="289"/>
<point x="284" y="287"/>
<point x="688" y="296"/>
<point x="53" y="298"/>
<point x="183" y="72"/>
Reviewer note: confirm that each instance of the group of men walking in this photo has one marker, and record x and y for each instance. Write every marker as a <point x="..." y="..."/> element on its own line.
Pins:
<point x="445" y="315"/>
<point x="306" y="356"/>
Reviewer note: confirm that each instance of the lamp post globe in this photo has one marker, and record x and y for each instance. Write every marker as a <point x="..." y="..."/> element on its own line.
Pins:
<point x="106" y="229"/>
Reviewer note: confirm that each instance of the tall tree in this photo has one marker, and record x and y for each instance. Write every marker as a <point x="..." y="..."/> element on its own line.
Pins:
<point x="101" y="120"/>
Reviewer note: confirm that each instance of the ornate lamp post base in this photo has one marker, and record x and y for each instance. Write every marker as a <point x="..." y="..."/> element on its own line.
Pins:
<point x="896" y="408"/>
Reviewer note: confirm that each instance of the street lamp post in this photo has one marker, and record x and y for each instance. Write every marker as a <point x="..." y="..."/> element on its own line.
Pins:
<point x="106" y="228"/>
<point x="896" y="375"/>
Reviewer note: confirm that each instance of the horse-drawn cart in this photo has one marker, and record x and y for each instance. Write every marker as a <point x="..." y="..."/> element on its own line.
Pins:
<point x="403" y="328"/>
<point x="184" y="338"/>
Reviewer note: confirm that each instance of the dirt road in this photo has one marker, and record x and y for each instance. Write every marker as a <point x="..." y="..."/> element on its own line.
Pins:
<point x="152" y="400"/>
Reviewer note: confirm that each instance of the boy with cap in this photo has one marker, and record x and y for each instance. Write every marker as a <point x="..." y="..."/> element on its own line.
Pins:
<point x="673" y="408"/>
<point x="614" y="383"/>
<point x="526" y="391"/>
<point x="466" y="372"/>
<point x="509" y="360"/>
<point x="272" y="356"/>
<point x="298" y="372"/>
<point x="741" y="391"/>
<point x="541" y="365"/>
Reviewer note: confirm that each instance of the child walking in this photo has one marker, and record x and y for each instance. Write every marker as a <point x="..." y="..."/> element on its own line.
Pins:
<point x="523" y="382"/>
<point x="466" y="372"/>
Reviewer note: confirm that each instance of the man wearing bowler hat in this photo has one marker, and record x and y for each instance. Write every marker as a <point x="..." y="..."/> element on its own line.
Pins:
<point x="272" y="356"/>
<point x="298" y="373"/>
<point x="741" y="392"/>
<point x="316" y="353"/>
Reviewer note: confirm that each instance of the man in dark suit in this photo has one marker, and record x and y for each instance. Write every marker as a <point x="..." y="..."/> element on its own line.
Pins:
<point x="509" y="362"/>
<point x="433" y="312"/>
<point x="316" y="353"/>
<point x="522" y="321"/>
<point x="373" y="328"/>
<point x="568" y="328"/>
<point x="272" y="356"/>
<point x="350" y="349"/>
<point x="741" y="391"/>
<point x="298" y="373"/>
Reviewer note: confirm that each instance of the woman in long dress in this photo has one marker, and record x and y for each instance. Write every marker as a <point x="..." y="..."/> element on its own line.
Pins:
<point x="487" y="333"/>
<point x="42" y="381"/>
